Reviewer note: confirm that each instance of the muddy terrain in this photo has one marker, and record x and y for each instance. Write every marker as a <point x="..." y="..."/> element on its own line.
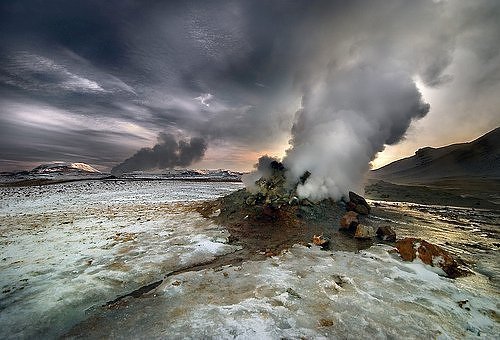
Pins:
<point x="264" y="231"/>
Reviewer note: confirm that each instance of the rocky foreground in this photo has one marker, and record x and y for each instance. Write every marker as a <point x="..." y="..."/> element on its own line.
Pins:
<point x="272" y="218"/>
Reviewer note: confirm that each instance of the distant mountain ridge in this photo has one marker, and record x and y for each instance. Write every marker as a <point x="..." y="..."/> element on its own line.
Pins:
<point x="64" y="167"/>
<point x="479" y="158"/>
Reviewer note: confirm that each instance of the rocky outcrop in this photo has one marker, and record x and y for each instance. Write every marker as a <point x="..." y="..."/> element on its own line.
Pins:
<point x="411" y="248"/>
<point x="271" y="189"/>
<point x="358" y="204"/>
<point x="386" y="233"/>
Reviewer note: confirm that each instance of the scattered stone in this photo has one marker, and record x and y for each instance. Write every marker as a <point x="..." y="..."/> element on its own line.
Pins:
<point x="325" y="323"/>
<point x="349" y="220"/>
<point x="176" y="283"/>
<point x="250" y="200"/>
<point x="293" y="293"/>
<point x="216" y="213"/>
<point x="462" y="304"/>
<point x="386" y="233"/>
<point x="306" y="202"/>
<point x="270" y="253"/>
<point x="124" y="237"/>
<point x="232" y="239"/>
<point x="320" y="241"/>
<point x="411" y="248"/>
<point x="361" y="209"/>
<point x="340" y="280"/>
<point x="364" y="232"/>
<point x="350" y="206"/>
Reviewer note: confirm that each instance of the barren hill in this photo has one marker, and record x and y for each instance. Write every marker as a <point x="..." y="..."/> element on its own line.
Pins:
<point x="479" y="159"/>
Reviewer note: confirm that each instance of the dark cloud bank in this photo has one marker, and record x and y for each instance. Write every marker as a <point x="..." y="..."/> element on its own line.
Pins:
<point x="96" y="81"/>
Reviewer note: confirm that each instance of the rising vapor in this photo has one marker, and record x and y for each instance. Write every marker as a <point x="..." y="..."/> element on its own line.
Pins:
<point x="168" y="153"/>
<point x="344" y="122"/>
<point x="360" y="94"/>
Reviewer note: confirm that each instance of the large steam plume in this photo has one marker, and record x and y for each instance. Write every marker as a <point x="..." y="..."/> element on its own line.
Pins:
<point x="359" y="91"/>
<point x="168" y="153"/>
<point x="345" y="121"/>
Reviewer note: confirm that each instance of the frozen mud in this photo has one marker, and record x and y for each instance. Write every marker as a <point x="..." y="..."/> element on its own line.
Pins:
<point x="305" y="293"/>
<point x="71" y="254"/>
<point x="67" y="248"/>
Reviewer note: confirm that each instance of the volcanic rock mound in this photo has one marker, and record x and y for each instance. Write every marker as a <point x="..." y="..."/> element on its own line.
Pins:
<point x="272" y="217"/>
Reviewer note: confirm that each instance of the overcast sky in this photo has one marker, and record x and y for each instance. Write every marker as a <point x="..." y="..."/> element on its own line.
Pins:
<point x="95" y="81"/>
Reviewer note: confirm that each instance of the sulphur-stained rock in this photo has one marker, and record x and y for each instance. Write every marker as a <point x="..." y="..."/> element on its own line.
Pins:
<point x="410" y="248"/>
<point x="358" y="204"/>
<point x="349" y="220"/>
<point x="386" y="233"/>
<point x="364" y="231"/>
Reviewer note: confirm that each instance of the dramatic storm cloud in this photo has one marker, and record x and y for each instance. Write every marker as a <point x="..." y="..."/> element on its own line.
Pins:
<point x="167" y="154"/>
<point x="95" y="81"/>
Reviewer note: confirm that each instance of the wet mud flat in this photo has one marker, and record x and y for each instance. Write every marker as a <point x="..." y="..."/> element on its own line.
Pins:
<point x="258" y="233"/>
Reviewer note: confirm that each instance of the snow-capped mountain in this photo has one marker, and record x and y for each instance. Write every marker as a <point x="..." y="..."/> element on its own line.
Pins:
<point x="64" y="167"/>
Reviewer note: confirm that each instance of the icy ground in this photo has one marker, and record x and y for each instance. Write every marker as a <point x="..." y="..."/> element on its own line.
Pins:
<point x="305" y="293"/>
<point x="65" y="250"/>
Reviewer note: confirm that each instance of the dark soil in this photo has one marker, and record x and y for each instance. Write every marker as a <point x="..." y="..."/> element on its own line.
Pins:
<point x="263" y="231"/>
<point x="447" y="193"/>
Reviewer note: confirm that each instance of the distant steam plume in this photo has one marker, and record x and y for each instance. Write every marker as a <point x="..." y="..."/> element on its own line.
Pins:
<point x="168" y="153"/>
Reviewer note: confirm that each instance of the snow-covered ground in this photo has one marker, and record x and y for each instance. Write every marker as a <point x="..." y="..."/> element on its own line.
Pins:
<point x="306" y="294"/>
<point x="67" y="249"/>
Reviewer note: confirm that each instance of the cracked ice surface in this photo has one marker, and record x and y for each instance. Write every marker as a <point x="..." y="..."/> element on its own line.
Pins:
<point x="68" y="248"/>
<point x="306" y="293"/>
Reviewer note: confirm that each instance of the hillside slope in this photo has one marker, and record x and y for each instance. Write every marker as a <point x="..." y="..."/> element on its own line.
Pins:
<point x="479" y="158"/>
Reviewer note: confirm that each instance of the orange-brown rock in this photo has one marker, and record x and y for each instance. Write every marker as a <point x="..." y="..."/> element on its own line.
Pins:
<point x="411" y="248"/>
<point x="364" y="232"/>
<point x="349" y="220"/>
<point x="320" y="241"/>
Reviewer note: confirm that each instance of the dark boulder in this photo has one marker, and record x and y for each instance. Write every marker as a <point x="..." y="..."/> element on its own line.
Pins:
<point x="386" y="233"/>
<point x="358" y="204"/>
